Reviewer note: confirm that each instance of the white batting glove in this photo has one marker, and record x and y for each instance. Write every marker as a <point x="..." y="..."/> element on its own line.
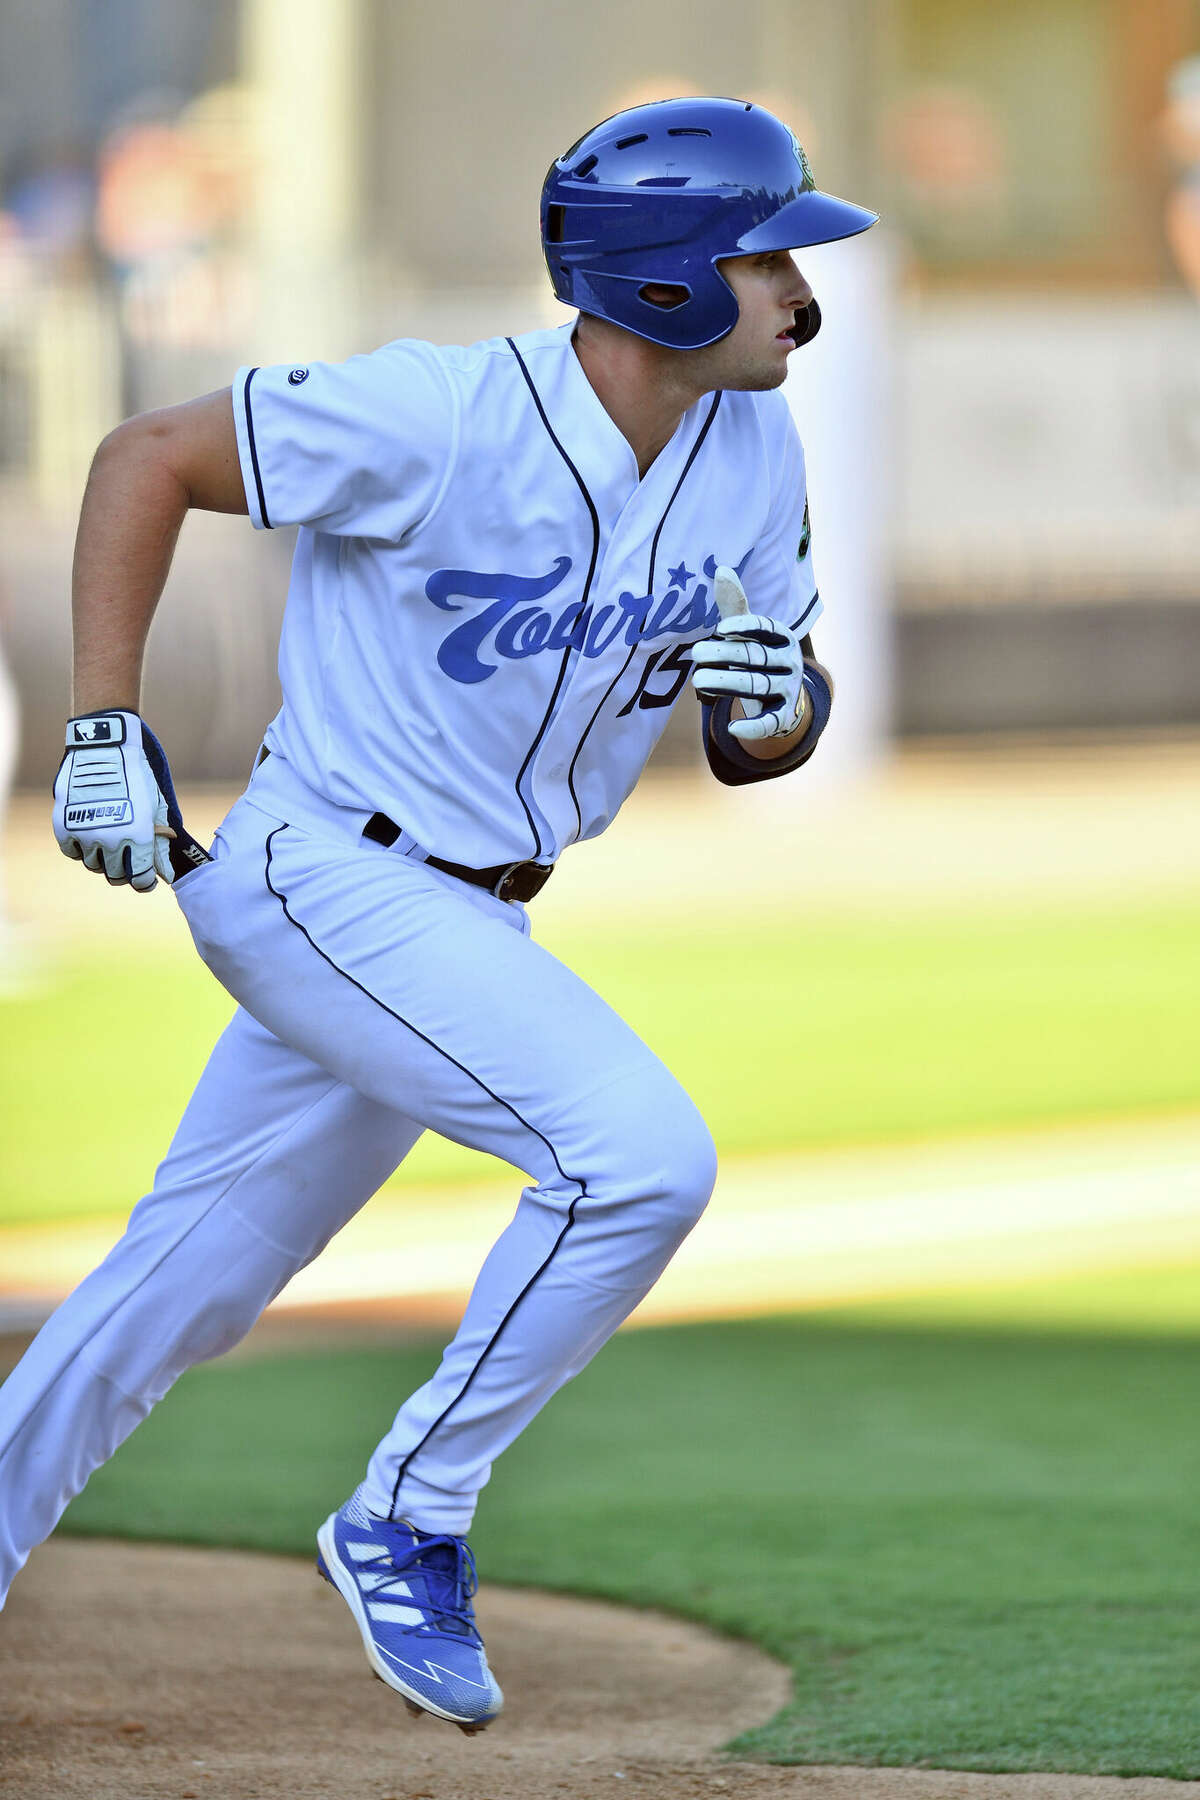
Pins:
<point x="752" y="659"/>
<point x="109" y="811"/>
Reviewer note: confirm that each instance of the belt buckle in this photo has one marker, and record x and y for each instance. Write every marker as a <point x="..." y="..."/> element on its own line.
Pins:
<point x="522" y="880"/>
<point x="503" y="887"/>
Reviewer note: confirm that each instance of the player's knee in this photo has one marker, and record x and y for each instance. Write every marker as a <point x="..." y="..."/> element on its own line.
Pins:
<point x="666" y="1152"/>
<point x="185" y="1308"/>
<point x="220" y="1326"/>
<point x="693" y="1164"/>
<point x="144" y="1352"/>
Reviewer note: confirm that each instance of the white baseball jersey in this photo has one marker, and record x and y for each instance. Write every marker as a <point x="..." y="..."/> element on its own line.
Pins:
<point x="487" y="606"/>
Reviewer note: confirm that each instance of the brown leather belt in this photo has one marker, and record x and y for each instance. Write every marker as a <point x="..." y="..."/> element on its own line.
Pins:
<point x="508" y="881"/>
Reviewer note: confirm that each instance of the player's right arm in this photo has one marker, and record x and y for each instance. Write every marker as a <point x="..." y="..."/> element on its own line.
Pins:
<point x="145" y="477"/>
<point x="114" y="806"/>
<point x="360" y="448"/>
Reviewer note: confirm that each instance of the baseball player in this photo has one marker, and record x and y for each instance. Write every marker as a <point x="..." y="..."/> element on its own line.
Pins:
<point x="511" y="560"/>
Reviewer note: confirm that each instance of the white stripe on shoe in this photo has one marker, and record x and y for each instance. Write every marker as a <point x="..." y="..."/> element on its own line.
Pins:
<point x="395" y="1612"/>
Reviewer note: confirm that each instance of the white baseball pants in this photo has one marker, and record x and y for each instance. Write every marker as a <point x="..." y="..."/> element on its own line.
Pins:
<point x="377" y="997"/>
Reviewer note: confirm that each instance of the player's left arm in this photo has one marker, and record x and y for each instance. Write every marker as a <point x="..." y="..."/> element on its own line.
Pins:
<point x="766" y="699"/>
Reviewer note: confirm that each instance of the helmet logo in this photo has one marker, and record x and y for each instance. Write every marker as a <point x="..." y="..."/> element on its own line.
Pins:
<point x="807" y="179"/>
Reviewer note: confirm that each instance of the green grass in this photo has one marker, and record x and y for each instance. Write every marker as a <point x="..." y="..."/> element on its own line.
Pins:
<point x="977" y="1549"/>
<point x="1152" y="1300"/>
<point x="866" y="1030"/>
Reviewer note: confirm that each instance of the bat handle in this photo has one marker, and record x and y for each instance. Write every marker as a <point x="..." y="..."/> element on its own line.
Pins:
<point x="731" y="600"/>
<point x="729" y="593"/>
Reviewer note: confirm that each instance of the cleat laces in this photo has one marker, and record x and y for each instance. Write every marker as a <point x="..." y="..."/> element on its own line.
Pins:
<point x="446" y="1568"/>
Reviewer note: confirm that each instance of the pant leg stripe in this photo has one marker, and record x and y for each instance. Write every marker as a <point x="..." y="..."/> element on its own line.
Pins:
<point x="484" y="1353"/>
<point x="499" y="1100"/>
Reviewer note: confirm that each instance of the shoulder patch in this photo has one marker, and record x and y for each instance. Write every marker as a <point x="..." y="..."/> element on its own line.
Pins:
<point x="296" y="376"/>
<point x="805" y="537"/>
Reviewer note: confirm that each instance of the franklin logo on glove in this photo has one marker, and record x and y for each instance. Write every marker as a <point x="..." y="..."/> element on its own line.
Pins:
<point x="112" y="812"/>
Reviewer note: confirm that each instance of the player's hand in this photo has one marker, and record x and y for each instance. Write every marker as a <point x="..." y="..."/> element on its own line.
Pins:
<point x="752" y="659"/>
<point x="109" y="810"/>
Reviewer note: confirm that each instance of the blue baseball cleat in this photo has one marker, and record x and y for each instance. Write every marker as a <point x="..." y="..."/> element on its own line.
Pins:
<point x="410" y="1593"/>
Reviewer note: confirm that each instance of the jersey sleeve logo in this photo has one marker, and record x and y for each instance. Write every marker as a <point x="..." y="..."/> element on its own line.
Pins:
<point x="296" y="376"/>
<point x="802" y="548"/>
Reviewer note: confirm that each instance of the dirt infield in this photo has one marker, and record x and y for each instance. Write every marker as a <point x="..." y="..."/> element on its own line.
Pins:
<point x="145" y="1672"/>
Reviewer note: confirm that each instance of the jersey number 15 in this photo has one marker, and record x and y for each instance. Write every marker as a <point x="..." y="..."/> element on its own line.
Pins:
<point x="675" y="661"/>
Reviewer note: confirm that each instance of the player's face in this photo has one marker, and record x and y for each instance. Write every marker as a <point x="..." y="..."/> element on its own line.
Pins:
<point x="769" y="290"/>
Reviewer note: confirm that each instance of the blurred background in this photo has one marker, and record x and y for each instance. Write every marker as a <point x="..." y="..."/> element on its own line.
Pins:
<point x="1002" y="418"/>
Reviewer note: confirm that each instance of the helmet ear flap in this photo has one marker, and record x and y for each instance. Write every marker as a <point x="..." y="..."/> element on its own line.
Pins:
<point x="705" y="310"/>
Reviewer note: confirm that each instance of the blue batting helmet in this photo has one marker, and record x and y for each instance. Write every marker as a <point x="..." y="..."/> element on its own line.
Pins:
<point x="657" y="194"/>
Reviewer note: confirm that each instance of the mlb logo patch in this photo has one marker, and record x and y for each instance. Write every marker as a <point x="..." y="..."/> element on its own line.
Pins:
<point x="107" y="730"/>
